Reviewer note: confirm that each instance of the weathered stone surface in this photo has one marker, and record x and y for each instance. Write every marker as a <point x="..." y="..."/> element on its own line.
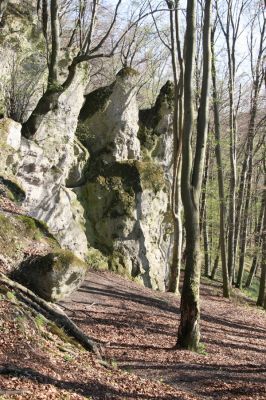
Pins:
<point x="10" y="138"/>
<point x="50" y="163"/>
<point x="22" y="61"/>
<point x="109" y="120"/>
<point x="156" y="130"/>
<point x="126" y="214"/>
<point x="53" y="276"/>
<point x="19" y="233"/>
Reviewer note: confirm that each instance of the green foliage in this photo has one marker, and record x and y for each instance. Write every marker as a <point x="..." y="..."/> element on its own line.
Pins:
<point x="68" y="358"/>
<point x="11" y="296"/>
<point x="40" y="321"/>
<point x="202" y="349"/>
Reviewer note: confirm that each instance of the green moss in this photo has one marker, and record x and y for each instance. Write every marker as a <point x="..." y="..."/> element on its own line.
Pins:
<point x="38" y="229"/>
<point x="56" y="330"/>
<point x="17" y="231"/>
<point x="151" y="176"/>
<point x="59" y="261"/>
<point x="116" y="264"/>
<point x="126" y="72"/>
<point x="94" y="101"/>
<point x="13" y="190"/>
<point x="96" y="260"/>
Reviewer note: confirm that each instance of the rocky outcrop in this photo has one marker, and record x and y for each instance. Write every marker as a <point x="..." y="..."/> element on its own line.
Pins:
<point x="53" y="276"/>
<point x="108" y="123"/>
<point x="156" y="130"/>
<point x="22" y="60"/>
<point x="50" y="165"/>
<point x="126" y="198"/>
<point x="111" y="208"/>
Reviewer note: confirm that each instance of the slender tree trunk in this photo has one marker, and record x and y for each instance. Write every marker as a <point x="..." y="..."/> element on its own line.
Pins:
<point x="218" y="154"/>
<point x="203" y="214"/>
<point x="262" y="293"/>
<point x="243" y="239"/>
<point x="258" y="240"/>
<point x="207" y="266"/>
<point x="216" y="261"/>
<point x="175" y="267"/>
<point x="189" y="331"/>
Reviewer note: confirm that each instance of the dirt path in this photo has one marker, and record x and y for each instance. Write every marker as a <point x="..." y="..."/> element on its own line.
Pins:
<point x="138" y="330"/>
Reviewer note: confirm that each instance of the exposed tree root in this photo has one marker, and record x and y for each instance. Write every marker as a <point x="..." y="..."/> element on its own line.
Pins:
<point x="53" y="313"/>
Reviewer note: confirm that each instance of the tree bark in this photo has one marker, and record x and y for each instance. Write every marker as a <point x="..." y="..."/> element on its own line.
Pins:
<point x="175" y="267"/>
<point x="218" y="154"/>
<point x="258" y="240"/>
<point x="262" y="289"/>
<point x="53" y="313"/>
<point x="191" y="180"/>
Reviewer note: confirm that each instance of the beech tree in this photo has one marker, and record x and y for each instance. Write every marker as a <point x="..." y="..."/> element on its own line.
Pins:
<point x="88" y="51"/>
<point x="220" y="173"/>
<point x="192" y="174"/>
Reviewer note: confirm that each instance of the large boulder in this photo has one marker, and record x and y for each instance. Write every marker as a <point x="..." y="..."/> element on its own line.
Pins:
<point x="53" y="276"/>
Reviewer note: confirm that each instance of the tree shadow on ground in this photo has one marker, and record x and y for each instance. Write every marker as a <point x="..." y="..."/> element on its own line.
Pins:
<point x="98" y="390"/>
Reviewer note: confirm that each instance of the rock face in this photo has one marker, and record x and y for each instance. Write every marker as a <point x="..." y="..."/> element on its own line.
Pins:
<point x="10" y="140"/>
<point x="50" y="164"/>
<point x="22" y="61"/>
<point x="156" y="130"/>
<point x="53" y="276"/>
<point x="109" y="120"/>
<point x="111" y="208"/>
<point x="126" y="200"/>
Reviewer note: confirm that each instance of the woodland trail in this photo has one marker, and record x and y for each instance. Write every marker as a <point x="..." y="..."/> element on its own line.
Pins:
<point x="137" y="328"/>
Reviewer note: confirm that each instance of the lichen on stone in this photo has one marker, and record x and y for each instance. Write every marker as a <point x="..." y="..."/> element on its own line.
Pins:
<point x="52" y="276"/>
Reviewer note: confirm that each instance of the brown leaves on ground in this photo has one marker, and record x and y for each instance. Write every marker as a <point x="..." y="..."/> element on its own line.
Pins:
<point x="137" y="328"/>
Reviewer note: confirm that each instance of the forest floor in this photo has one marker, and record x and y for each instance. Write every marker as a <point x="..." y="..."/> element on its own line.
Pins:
<point x="137" y="329"/>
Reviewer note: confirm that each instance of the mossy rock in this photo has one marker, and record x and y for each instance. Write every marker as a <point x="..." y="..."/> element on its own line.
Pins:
<point x="11" y="189"/>
<point x="149" y="118"/>
<point x="127" y="72"/>
<point x="94" y="101"/>
<point x="53" y="276"/>
<point x="96" y="260"/>
<point x="18" y="232"/>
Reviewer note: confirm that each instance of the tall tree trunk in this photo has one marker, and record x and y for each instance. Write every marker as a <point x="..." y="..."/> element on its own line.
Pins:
<point x="218" y="154"/>
<point x="243" y="238"/>
<point x="257" y="74"/>
<point x="203" y="215"/>
<point x="258" y="240"/>
<point x="262" y="293"/>
<point x="191" y="180"/>
<point x="216" y="261"/>
<point x="175" y="267"/>
<point x="207" y="265"/>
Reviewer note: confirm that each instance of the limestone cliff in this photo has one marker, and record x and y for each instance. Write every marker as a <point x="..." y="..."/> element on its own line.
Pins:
<point x="110" y="208"/>
<point x="126" y="195"/>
